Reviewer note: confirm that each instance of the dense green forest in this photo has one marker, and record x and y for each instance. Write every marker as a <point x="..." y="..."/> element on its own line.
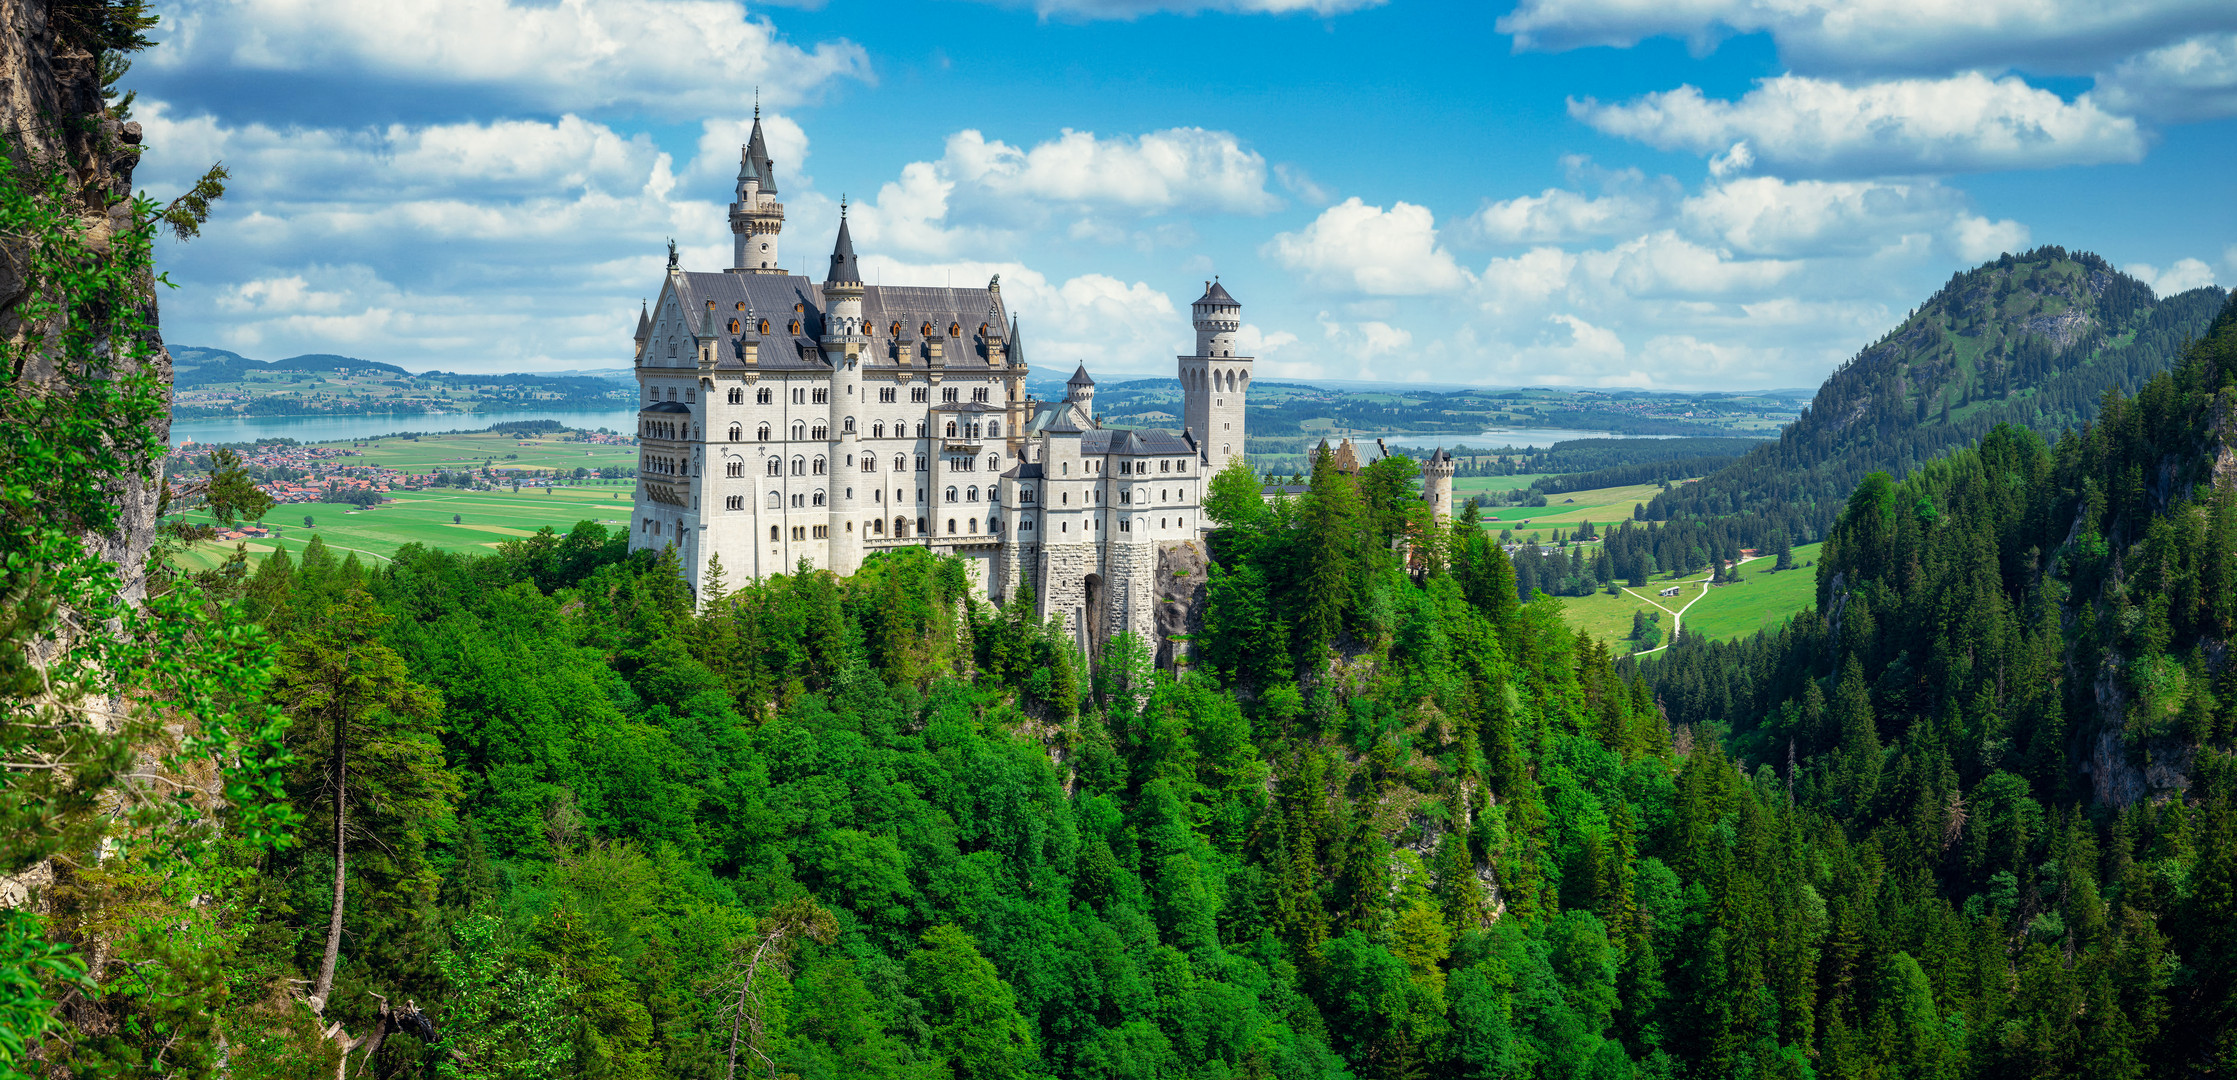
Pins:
<point x="1396" y="823"/>
<point x="2033" y="340"/>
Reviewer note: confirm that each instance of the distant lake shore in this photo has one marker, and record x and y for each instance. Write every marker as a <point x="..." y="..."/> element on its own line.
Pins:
<point x="334" y="428"/>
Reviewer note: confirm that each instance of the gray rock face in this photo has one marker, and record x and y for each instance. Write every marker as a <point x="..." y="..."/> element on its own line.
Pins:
<point x="1183" y="579"/>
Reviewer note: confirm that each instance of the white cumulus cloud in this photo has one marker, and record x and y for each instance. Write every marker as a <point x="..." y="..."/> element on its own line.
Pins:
<point x="1182" y="168"/>
<point x="2182" y="275"/>
<point x="1355" y="247"/>
<point x="2193" y="79"/>
<point x="1882" y="36"/>
<point x="1084" y="10"/>
<point x="668" y="56"/>
<point x="1557" y="215"/>
<point x="1793" y="124"/>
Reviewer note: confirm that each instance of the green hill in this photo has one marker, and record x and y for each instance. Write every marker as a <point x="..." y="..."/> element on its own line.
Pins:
<point x="2035" y="340"/>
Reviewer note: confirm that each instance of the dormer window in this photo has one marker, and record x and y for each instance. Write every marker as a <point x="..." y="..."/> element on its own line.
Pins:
<point x="894" y="330"/>
<point x="925" y="330"/>
<point x="736" y="326"/>
<point x="955" y="330"/>
<point x="798" y="309"/>
<point x="794" y="327"/>
<point x="741" y="306"/>
<point x="764" y="327"/>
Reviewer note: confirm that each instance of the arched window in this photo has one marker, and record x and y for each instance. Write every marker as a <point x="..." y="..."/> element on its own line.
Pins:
<point x="847" y="425"/>
<point x="894" y="330"/>
<point x="737" y="395"/>
<point x="951" y="429"/>
<point x="974" y="525"/>
<point x="877" y="525"/>
<point x="819" y="464"/>
<point x="951" y="526"/>
<point x="994" y="429"/>
<point x="819" y="497"/>
<point x="772" y="534"/>
<point x="762" y="433"/>
<point x="737" y="432"/>
<point x="869" y="463"/>
<point x="671" y="348"/>
<point x="877" y="430"/>
<point x="799" y="466"/>
<point x="776" y="466"/>
<point x="900" y="463"/>
<point x="764" y="396"/>
<point x="994" y="463"/>
<point x="951" y="493"/>
<point x="920" y="429"/>
<point x="793" y="327"/>
<point x="799" y="430"/>
<point x="921" y="466"/>
<point x="763" y="328"/>
<point x="925" y="330"/>
<point x="900" y="524"/>
<point x="1226" y="449"/>
<point x="822" y="432"/>
<point x="737" y="468"/>
<point x="971" y="494"/>
<point x="776" y="501"/>
<point x="955" y="330"/>
<point x="735" y="326"/>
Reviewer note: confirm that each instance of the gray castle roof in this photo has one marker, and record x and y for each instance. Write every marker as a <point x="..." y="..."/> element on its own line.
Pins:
<point x="644" y="322"/>
<point x="843" y="265"/>
<point x="775" y="297"/>
<point x="1080" y="378"/>
<point x="1129" y="443"/>
<point x="1216" y="294"/>
<point x="755" y="162"/>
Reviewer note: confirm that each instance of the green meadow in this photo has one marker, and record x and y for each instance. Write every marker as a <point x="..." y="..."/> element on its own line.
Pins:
<point x="485" y="520"/>
<point x="1601" y="506"/>
<point x="1762" y="601"/>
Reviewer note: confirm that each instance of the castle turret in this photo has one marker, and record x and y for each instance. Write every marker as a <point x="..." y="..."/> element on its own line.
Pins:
<point x="843" y="346"/>
<point x="1080" y="390"/>
<point x="1436" y="483"/>
<point x="1215" y="380"/>
<point x="756" y="217"/>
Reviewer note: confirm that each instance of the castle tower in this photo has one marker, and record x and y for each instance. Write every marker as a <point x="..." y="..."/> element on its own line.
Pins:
<point x="1080" y="390"/>
<point x="843" y="348"/>
<point x="1436" y="483"/>
<point x="756" y="217"/>
<point x="1215" y="380"/>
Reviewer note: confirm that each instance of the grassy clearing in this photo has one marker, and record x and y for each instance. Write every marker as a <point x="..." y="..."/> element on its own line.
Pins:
<point x="1477" y="485"/>
<point x="486" y="519"/>
<point x="1762" y="601"/>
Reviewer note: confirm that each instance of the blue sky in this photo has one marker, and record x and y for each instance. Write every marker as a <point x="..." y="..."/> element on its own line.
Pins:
<point x="1659" y="193"/>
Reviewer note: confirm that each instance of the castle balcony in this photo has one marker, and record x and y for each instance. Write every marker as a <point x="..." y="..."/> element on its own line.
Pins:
<point x="961" y="446"/>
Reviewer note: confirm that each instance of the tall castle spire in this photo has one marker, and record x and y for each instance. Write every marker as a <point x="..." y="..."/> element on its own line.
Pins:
<point x="756" y="217"/>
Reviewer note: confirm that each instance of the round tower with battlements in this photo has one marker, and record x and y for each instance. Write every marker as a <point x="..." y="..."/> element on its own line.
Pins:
<point x="1436" y="483"/>
<point x="1215" y="381"/>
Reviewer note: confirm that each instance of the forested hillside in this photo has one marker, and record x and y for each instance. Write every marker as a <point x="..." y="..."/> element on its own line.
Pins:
<point x="2033" y="340"/>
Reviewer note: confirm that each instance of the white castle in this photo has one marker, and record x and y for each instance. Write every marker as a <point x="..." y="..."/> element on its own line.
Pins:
<point x="788" y="422"/>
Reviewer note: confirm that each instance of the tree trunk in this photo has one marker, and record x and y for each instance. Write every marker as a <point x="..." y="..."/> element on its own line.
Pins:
<point x="337" y="771"/>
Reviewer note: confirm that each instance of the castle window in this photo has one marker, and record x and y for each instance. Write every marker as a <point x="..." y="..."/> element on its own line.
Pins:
<point x="736" y="468"/>
<point x="894" y="330"/>
<point x="971" y="494"/>
<point x="762" y="433"/>
<point x="819" y="497"/>
<point x="763" y="328"/>
<point x="994" y="429"/>
<point x="799" y="501"/>
<point x="776" y="466"/>
<point x="869" y="463"/>
<point x="764" y="396"/>
<point x="994" y="463"/>
<point x="951" y="429"/>
<point x="974" y="524"/>
<point x="951" y="493"/>
<point x="922" y="464"/>
<point x="819" y="464"/>
<point x="737" y="395"/>
<point x="920" y="394"/>
<point x="734" y="502"/>
<point x="822" y="432"/>
<point x="886" y="395"/>
<point x="821" y="395"/>
<point x="798" y="308"/>
<point x="900" y="463"/>
<point x="735" y="326"/>
<point x="955" y="330"/>
<point x="737" y="432"/>
<point x="799" y="430"/>
<point x="978" y="394"/>
<point x="671" y="348"/>
<point x="799" y="466"/>
<point x="948" y="393"/>
<point x="1226" y="449"/>
<point x="772" y="534"/>
<point x="925" y="330"/>
<point x="877" y="430"/>
<point x="776" y="502"/>
<point x="951" y="526"/>
<point x="741" y="306"/>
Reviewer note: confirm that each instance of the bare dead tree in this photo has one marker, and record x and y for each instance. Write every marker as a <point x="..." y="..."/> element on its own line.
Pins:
<point x="777" y="936"/>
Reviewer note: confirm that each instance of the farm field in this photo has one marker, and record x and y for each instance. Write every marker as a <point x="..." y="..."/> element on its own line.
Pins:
<point x="487" y="518"/>
<point x="1601" y="506"/>
<point x="456" y="452"/>
<point x="1477" y="485"/>
<point x="1762" y="601"/>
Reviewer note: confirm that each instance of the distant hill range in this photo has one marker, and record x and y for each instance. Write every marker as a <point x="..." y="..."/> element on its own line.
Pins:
<point x="2034" y="340"/>
<point x="193" y="365"/>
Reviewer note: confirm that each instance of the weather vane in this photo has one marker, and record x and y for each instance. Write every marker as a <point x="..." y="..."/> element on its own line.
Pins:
<point x="671" y="253"/>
